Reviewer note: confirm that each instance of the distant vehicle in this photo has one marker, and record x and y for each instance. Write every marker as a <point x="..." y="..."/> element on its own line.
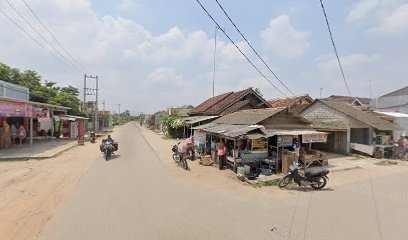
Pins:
<point x="93" y="137"/>
<point x="317" y="179"/>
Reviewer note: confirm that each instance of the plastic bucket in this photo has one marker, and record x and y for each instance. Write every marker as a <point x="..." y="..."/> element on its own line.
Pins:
<point x="241" y="170"/>
<point x="247" y="169"/>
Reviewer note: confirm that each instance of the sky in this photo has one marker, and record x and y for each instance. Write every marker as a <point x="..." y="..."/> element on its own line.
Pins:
<point x="153" y="54"/>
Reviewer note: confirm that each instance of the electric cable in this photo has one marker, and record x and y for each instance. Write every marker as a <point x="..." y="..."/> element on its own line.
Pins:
<point x="246" y="57"/>
<point x="335" y="48"/>
<point x="53" y="36"/>
<point x="29" y="35"/>
<point x="253" y="49"/>
<point x="41" y="36"/>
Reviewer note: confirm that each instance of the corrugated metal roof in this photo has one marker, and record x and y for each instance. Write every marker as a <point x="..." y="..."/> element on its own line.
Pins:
<point x="197" y="119"/>
<point x="247" y="117"/>
<point x="227" y="129"/>
<point x="295" y="132"/>
<point x="400" y="92"/>
<point x="393" y="114"/>
<point x="362" y="116"/>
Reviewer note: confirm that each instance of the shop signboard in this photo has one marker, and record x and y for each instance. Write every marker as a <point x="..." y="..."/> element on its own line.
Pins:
<point x="313" y="138"/>
<point x="40" y="112"/>
<point x="285" y="141"/>
<point x="15" y="109"/>
<point x="259" y="144"/>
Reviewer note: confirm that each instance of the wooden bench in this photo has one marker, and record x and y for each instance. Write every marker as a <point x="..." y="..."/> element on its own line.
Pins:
<point x="310" y="156"/>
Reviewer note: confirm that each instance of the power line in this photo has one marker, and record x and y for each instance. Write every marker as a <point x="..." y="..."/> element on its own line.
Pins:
<point x="253" y="49"/>
<point x="335" y="48"/>
<point x="29" y="35"/>
<point x="52" y="35"/>
<point x="41" y="36"/>
<point x="232" y="41"/>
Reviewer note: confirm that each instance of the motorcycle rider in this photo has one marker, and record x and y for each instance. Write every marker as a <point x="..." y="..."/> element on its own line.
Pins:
<point x="403" y="142"/>
<point x="109" y="139"/>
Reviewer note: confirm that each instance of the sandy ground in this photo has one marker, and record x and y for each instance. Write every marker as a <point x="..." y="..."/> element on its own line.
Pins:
<point x="138" y="195"/>
<point x="31" y="190"/>
<point x="80" y="198"/>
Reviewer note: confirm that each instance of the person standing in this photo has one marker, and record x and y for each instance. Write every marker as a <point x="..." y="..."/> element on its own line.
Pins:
<point x="5" y="141"/>
<point x="296" y="147"/>
<point x="222" y="150"/>
<point x="22" y="134"/>
<point x="13" y="134"/>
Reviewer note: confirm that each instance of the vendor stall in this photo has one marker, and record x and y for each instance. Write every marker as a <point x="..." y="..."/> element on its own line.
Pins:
<point x="283" y="143"/>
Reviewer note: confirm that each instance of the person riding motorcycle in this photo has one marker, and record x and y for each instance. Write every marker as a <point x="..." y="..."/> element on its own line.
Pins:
<point x="403" y="143"/>
<point x="109" y="139"/>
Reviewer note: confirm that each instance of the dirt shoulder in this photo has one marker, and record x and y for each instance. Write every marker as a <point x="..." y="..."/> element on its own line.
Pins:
<point x="30" y="191"/>
<point x="211" y="177"/>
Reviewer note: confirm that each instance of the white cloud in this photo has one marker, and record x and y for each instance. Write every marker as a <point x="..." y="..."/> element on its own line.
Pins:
<point x="282" y="38"/>
<point x="126" y="5"/>
<point x="362" y="9"/>
<point x="330" y="65"/>
<point x="389" y="17"/>
<point x="395" y="22"/>
<point x="135" y="66"/>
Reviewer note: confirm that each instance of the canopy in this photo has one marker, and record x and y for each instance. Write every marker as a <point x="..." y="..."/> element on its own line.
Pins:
<point x="273" y="132"/>
<point x="393" y="114"/>
<point x="197" y="119"/>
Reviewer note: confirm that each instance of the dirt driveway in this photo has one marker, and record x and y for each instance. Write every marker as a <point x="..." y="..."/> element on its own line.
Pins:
<point x="30" y="191"/>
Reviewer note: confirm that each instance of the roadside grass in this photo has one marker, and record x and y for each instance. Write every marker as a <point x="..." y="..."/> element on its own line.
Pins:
<point x="356" y="156"/>
<point x="386" y="163"/>
<point x="275" y="182"/>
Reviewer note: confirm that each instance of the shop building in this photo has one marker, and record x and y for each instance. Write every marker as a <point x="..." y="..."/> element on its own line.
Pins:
<point x="350" y="127"/>
<point x="261" y="137"/>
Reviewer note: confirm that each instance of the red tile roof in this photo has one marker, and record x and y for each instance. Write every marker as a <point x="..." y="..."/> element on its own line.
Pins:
<point x="230" y="99"/>
<point x="206" y="105"/>
<point x="226" y="103"/>
<point x="286" y="102"/>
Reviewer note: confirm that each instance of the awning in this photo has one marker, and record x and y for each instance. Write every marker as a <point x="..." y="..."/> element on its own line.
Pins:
<point x="273" y="132"/>
<point x="68" y="118"/>
<point x="228" y="130"/>
<point x="393" y="114"/>
<point x="197" y="119"/>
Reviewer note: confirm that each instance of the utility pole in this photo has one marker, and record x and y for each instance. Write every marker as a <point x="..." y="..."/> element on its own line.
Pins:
<point x="92" y="92"/>
<point x="119" y="112"/>
<point x="371" y="89"/>
<point x="103" y="104"/>
<point x="321" y="91"/>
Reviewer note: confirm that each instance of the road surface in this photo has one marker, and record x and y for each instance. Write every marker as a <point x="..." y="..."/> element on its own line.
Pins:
<point x="132" y="196"/>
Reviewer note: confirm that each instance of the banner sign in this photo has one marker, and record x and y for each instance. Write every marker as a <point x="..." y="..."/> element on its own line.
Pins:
<point x="40" y="112"/>
<point x="259" y="144"/>
<point x="312" y="138"/>
<point x="15" y="109"/>
<point x="285" y="141"/>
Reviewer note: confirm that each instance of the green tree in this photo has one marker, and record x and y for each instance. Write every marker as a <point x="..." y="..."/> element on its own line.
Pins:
<point x="258" y="91"/>
<point x="173" y="124"/>
<point x="44" y="92"/>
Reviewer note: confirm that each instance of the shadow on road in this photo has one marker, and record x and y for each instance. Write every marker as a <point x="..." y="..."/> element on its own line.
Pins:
<point x="113" y="157"/>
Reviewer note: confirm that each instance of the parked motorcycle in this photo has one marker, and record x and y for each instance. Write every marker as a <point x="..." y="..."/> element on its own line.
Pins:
<point x="317" y="179"/>
<point x="402" y="154"/>
<point x="108" y="148"/>
<point x="178" y="157"/>
<point x="93" y="137"/>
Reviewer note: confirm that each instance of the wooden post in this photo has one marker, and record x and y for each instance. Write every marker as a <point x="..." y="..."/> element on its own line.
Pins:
<point x="31" y="131"/>
<point x="52" y="124"/>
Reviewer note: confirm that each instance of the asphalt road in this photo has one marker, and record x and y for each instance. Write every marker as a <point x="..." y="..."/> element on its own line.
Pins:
<point x="132" y="196"/>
